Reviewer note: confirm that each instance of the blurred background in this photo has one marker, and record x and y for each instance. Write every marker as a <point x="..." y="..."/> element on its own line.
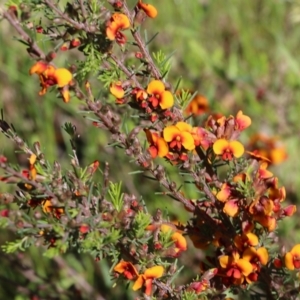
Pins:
<point x="240" y="55"/>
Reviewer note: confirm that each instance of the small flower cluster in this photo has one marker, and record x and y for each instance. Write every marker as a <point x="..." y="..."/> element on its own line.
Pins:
<point x="145" y="279"/>
<point x="267" y="148"/>
<point x="154" y="101"/>
<point x="50" y="75"/>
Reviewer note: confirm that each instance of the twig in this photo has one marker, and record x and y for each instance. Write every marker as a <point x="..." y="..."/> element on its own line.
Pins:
<point x="83" y="10"/>
<point x="137" y="37"/>
<point x="65" y="16"/>
<point x="15" y="23"/>
<point x="130" y="75"/>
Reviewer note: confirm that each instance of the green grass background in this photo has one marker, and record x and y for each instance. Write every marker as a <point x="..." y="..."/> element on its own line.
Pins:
<point x="226" y="50"/>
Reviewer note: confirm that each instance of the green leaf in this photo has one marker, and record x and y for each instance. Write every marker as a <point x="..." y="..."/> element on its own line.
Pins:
<point x="116" y="196"/>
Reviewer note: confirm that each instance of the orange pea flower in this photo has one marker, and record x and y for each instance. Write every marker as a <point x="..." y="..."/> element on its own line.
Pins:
<point x="245" y="240"/>
<point x="268" y="148"/>
<point x="127" y="269"/>
<point x="149" y="9"/>
<point x="225" y="192"/>
<point x="117" y="90"/>
<point x="256" y="257"/>
<point x="236" y="268"/>
<point x="147" y="278"/>
<point x="262" y="172"/>
<point x="231" y="207"/>
<point x="178" y="239"/>
<point x="49" y="208"/>
<point x="242" y="121"/>
<point x="260" y="254"/>
<point x="179" y="135"/>
<point x="158" y="146"/>
<point x="289" y="210"/>
<point x="115" y="25"/>
<point x="292" y="258"/>
<point x="159" y="96"/>
<point x="50" y="76"/>
<point x="228" y="149"/>
<point x="198" y="106"/>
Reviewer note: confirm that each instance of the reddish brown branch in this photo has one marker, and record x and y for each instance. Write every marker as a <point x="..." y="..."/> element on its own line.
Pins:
<point x="32" y="45"/>
<point x="137" y="37"/>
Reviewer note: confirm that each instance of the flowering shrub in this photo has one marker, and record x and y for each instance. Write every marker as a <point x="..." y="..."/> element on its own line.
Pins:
<point x="231" y="224"/>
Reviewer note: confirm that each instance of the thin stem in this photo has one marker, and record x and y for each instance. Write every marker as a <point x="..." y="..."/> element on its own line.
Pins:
<point x="83" y="10"/>
<point x="64" y="16"/>
<point x="126" y="71"/>
<point x="15" y="23"/>
<point x="137" y="37"/>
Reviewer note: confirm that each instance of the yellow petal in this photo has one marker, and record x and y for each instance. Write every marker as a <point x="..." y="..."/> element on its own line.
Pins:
<point x="237" y="148"/>
<point x="166" y="100"/>
<point x="116" y="89"/>
<point x="231" y="208"/>
<point x="149" y="9"/>
<point x="263" y="255"/>
<point x="170" y="133"/>
<point x="225" y="261"/>
<point x="187" y="141"/>
<point x="296" y="250"/>
<point x="155" y="86"/>
<point x="62" y="76"/>
<point x="288" y="259"/>
<point x="154" y="272"/>
<point x="183" y="126"/>
<point x="220" y="145"/>
<point x="138" y="283"/>
<point x="245" y="266"/>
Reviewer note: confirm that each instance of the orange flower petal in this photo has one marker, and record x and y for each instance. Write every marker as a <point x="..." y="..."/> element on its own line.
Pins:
<point x="138" y="283"/>
<point x="278" y="155"/>
<point x="121" y="20"/>
<point x="187" y="141"/>
<point x="245" y="266"/>
<point x="149" y="9"/>
<point x="183" y="126"/>
<point x="289" y="261"/>
<point x="231" y="208"/>
<point x="116" y="89"/>
<point x="263" y="255"/>
<point x="126" y="267"/>
<point x="162" y="147"/>
<point x="290" y="210"/>
<point x="32" y="159"/>
<point x="220" y="145"/>
<point x="224" y="193"/>
<point x="225" y="261"/>
<point x="198" y="105"/>
<point x="65" y="94"/>
<point x="111" y="31"/>
<point x="242" y="121"/>
<point x="38" y="68"/>
<point x="170" y="133"/>
<point x="166" y="100"/>
<point x="154" y="272"/>
<point x="249" y="253"/>
<point x="237" y="148"/>
<point x="155" y="87"/>
<point x="179" y="241"/>
<point x="62" y="76"/>
<point x="296" y="250"/>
